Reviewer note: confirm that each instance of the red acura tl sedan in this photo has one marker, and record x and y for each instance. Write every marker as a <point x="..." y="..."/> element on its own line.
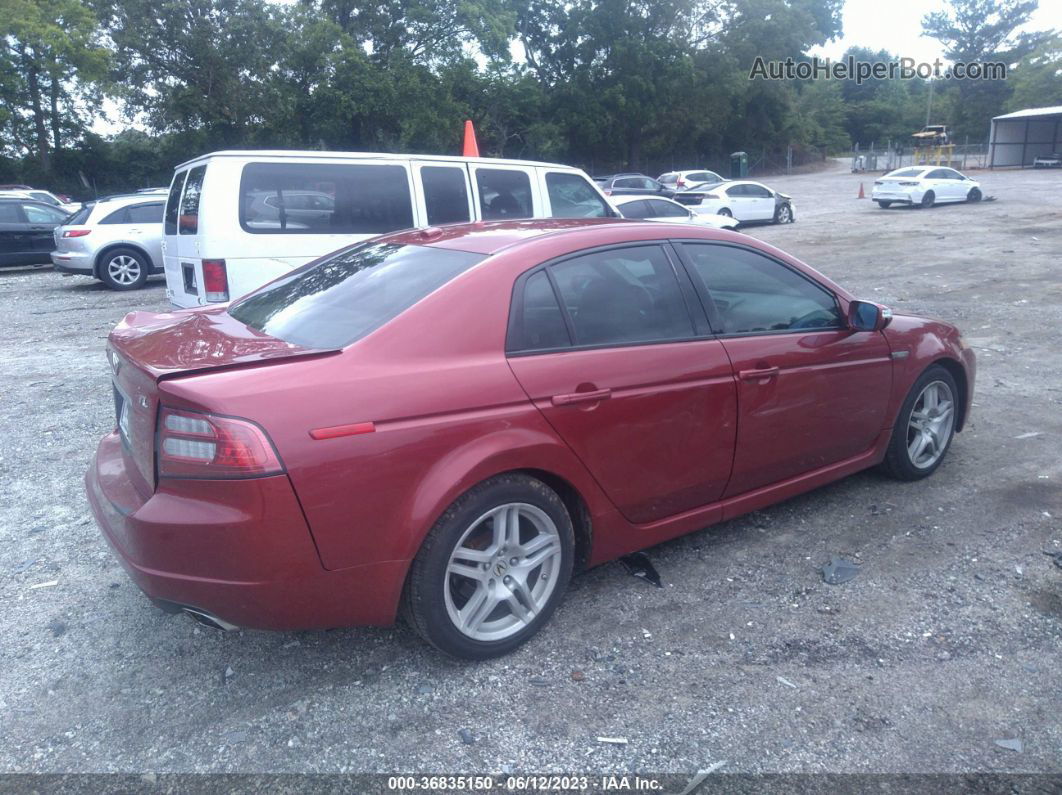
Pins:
<point x="450" y="420"/>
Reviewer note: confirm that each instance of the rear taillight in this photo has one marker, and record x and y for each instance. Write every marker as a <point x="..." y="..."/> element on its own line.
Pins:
<point x="215" y="281"/>
<point x="608" y="191"/>
<point x="75" y="232"/>
<point x="196" y="445"/>
<point x="680" y="183"/>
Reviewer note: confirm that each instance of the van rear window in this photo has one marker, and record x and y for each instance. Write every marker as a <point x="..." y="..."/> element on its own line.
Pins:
<point x="173" y="202"/>
<point x="321" y="199"/>
<point x="330" y="303"/>
<point x="188" y="222"/>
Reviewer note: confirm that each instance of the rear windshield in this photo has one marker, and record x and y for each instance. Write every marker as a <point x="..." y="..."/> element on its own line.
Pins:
<point x="331" y="303"/>
<point x="80" y="216"/>
<point x="320" y="198"/>
<point x="906" y="172"/>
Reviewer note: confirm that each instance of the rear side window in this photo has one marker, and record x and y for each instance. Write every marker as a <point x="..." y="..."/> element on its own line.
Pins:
<point x="173" y="202"/>
<point x="188" y="220"/>
<point x="504" y="193"/>
<point x="538" y="323"/>
<point x="144" y="214"/>
<point x="622" y="297"/>
<point x="570" y="196"/>
<point x="638" y="209"/>
<point x="120" y="216"/>
<point x="754" y="294"/>
<point x="445" y="194"/>
<point x="331" y="303"/>
<point x="324" y="198"/>
<point x="80" y="216"/>
<point x="662" y="209"/>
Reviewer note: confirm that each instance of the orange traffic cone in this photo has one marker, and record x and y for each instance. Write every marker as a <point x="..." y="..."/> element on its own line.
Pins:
<point x="471" y="148"/>
<point x="861" y="194"/>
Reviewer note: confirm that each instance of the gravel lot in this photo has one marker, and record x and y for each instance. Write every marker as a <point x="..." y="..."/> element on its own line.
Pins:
<point x="949" y="639"/>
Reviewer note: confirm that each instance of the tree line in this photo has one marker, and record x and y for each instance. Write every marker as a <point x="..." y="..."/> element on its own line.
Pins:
<point x="603" y="84"/>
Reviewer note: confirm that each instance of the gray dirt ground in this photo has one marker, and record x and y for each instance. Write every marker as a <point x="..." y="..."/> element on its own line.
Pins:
<point x="949" y="639"/>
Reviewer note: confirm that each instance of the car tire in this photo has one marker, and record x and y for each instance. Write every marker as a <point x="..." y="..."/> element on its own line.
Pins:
<point x="974" y="195"/>
<point x="884" y="205"/>
<point x="783" y="214"/>
<point x="123" y="269"/>
<point x="473" y="591"/>
<point x="907" y="457"/>
<point x="928" y="198"/>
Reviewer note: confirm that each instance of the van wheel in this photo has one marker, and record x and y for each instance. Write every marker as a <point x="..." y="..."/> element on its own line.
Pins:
<point x="492" y="570"/>
<point x="123" y="269"/>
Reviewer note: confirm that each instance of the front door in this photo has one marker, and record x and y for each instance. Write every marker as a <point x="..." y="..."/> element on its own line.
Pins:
<point x="42" y="222"/>
<point x="620" y="372"/>
<point x="811" y="392"/>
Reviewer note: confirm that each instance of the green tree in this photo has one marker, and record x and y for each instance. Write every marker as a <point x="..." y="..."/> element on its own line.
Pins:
<point x="1037" y="80"/>
<point x="51" y="65"/>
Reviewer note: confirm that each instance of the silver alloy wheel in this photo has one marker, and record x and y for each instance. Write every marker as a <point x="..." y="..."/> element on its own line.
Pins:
<point x="783" y="214"/>
<point x="123" y="269"/>
<point x="502" y="571"/>
<point x="930" y="426"/>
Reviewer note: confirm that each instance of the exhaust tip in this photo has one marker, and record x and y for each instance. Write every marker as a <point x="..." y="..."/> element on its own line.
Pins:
<point x="206" y="619"/>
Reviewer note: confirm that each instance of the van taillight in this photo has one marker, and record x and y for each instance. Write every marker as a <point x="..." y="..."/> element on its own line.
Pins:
<point x="195" y="445"/>
<point x="215" y="281"/>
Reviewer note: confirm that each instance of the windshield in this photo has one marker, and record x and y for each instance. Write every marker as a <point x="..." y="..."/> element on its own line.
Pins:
<point x="333" y="302"/>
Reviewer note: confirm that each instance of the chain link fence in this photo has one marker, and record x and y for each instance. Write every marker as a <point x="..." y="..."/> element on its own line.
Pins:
<point x="958" y="156"/>
<point x="763" y="162"/>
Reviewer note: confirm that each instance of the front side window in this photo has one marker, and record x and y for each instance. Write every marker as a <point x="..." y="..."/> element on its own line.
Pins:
<point x="622" y="297"/>
<point x="757" y="192"/>
<point x="570" y="196"/>
<point x="188" y="219"/>
<point x="658" y="208"/>
<point x="445" y="194"/>
<point x="324" y="198"/>
<point x="754" y="294"/>
<point x="9" y="213"/>
<point x="333" y="302"/>
<point x="504" y="193"/>
<point x="173" y="202"/>
<point x="737" y="190"/>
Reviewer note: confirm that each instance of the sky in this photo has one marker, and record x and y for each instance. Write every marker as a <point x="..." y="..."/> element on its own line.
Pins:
<point x="895" y="26"/>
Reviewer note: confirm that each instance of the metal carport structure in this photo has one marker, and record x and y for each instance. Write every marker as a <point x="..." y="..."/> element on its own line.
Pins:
<point x="1018" y="137"/>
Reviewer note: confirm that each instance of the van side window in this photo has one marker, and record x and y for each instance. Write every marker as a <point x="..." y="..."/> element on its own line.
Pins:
<point x="570" y="196"/>
<point x="172" y="202"/>
<point x="504" y="193"/>
<point x="188" y="219"/>
<point x="445" y="194"/>
<point x="324" y="198"/>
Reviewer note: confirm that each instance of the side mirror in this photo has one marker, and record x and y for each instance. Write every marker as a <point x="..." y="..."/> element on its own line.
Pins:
<point x="868" y="316"/>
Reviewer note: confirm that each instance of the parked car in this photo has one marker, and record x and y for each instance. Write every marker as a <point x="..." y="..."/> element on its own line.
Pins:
<point x="236" y="220"/>
<point x="924" y="186"/>
<point x="684" y="180"/>
<point x="1053" y="160"/>
<point x="437" y="418"/>
<point x="741" y="199"/>
<point x="47" y="197"/>
<point x="26" y="230"/>
<point x="116" y="240"/>
<point x="15" y="187"/>
<point x="652" y="208"/>
<point x="632" y="185"/>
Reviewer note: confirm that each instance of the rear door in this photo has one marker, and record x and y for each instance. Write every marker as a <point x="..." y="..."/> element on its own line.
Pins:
<point x="189" y="255"/>
<point x="179" y="289"/>
<point x="42" y="221"/>
<point x="605" y="346"/>
<point x="811" y="392"/>
<point x="145" y="228"/>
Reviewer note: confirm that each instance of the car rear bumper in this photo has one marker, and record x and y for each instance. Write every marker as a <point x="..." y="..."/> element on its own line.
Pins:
<point x="69" y="262"/>
<point x="237" y="550"/>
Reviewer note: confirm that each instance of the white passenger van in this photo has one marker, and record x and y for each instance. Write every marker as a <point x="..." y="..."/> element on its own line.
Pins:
<point x="236" y="220"/>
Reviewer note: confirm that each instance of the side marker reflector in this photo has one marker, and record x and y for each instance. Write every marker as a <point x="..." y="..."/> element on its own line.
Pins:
<point x="335" y="431"/>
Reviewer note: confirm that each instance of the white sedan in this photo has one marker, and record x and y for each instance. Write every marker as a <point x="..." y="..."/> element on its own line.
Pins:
<point x="924" y="186"/>
<point x="653" y="208"/>
<point x="743" y="200"/>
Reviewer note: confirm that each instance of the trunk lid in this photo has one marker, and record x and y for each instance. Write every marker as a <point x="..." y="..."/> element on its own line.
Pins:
<point x="147" y="347"/>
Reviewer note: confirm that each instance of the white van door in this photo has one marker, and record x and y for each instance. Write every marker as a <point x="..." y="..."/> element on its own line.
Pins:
<point x="568" y="194"/>
<point x="506" y="192"/>
<point x="175" y="288"/>
<point x="189" y="257"/>
<point x="443" y="192"/>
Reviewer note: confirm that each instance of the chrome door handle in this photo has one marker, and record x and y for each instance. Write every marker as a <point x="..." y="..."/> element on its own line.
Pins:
<point x="757" y="375"/>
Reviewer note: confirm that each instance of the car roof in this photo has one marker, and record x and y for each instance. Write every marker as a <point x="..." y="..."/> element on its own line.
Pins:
<point x="21" y="200"/>
<point x="491" y="237"/>
<point x="295" y="154"/>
